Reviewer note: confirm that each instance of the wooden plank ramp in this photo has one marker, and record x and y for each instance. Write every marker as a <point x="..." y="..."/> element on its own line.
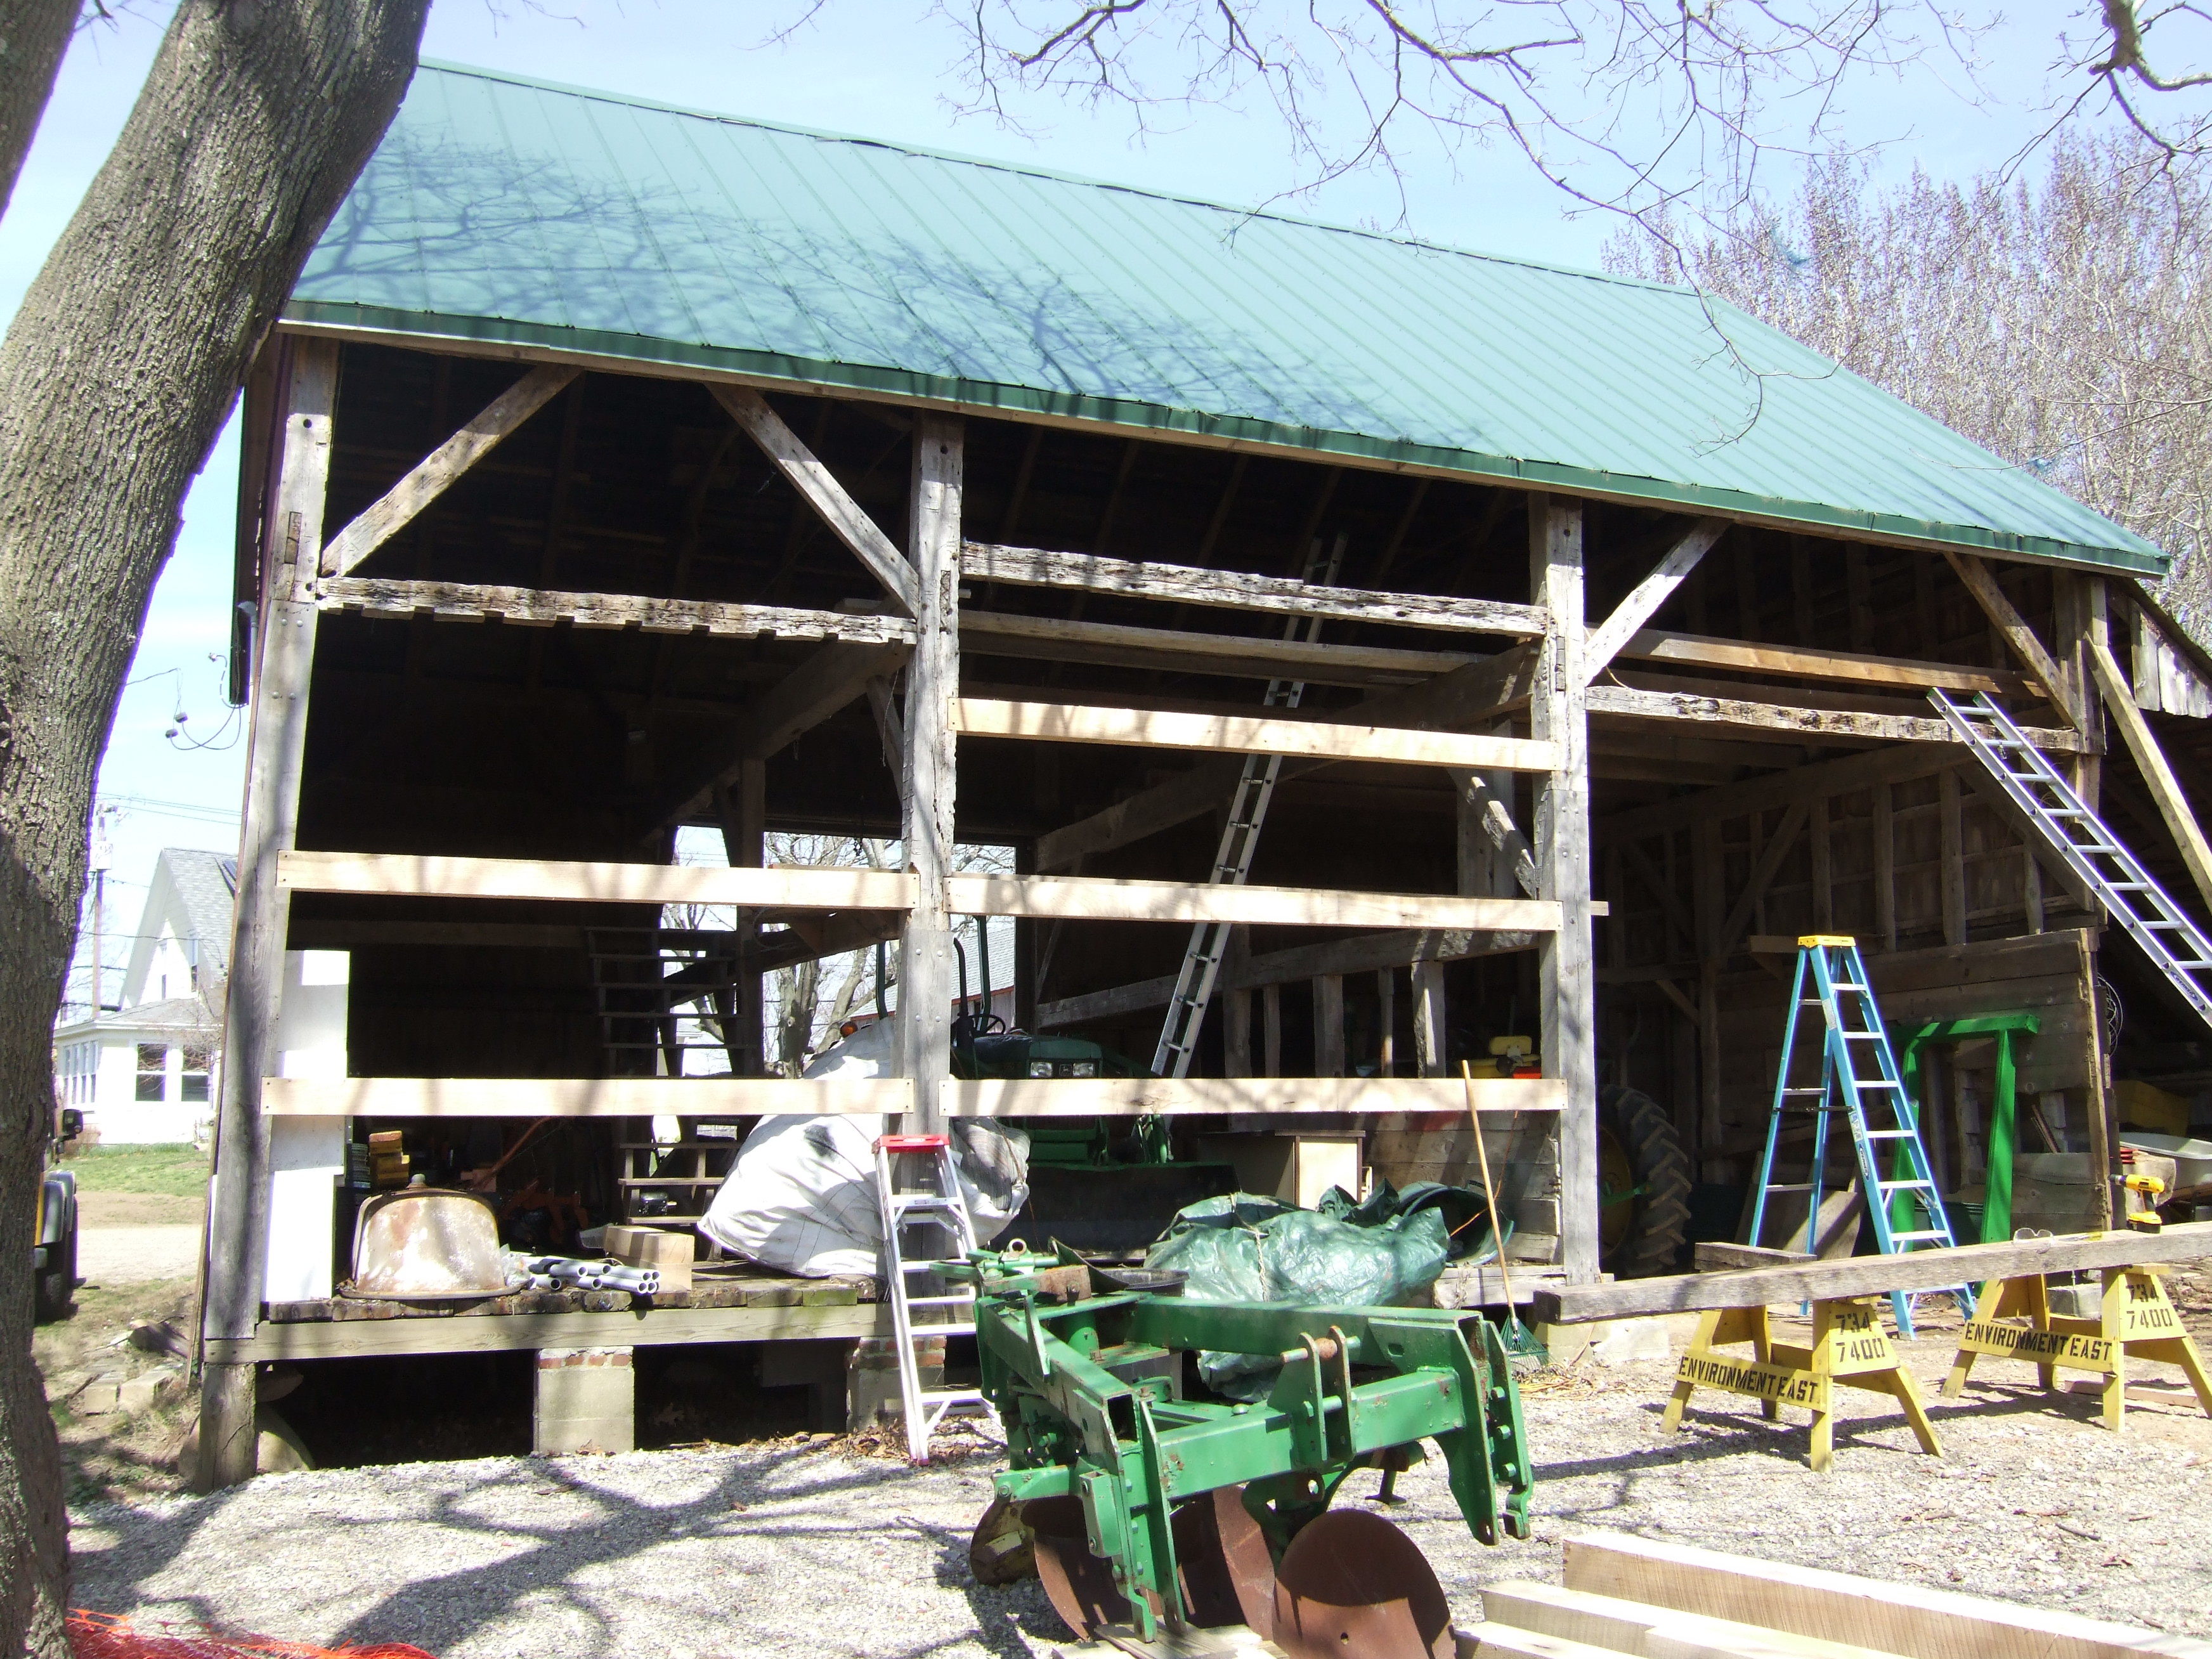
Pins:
<point x="1625" y="1594"/>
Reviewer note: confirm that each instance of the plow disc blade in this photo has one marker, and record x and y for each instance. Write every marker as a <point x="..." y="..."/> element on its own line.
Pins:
<point x="1221" y="1558"/>
<point x="1228" y="1576"/>
<point x="1352" y="1586"/>
<point x="1079" y="1585"/>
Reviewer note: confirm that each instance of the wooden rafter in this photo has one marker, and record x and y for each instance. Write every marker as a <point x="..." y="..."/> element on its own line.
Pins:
<point x="397" y="507"/>
<point x="2150" y="760"/>
<point x="1982" y="582"/>
<point x="819" y="486"/>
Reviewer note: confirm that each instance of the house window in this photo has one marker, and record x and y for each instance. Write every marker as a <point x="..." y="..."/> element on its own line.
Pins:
<point x="194" y="1086"/>
<point x="80" y="1067"/>
<point x="153" y="1071"/>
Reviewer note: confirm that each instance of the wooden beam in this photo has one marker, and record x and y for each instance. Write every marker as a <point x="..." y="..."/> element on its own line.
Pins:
<point x="929" y="779"/>
<point x="1702" y="651"/>
<point x="1818" y="725"/>
<point x="846" y="517"/>
<point x="533" y="607"/>
<point x="1054" y="639"/>
<point x="238" y="1230"/>
<point x="1466" y="696"/>
<point x="1981" y="582"/>
<point x="1237" y="590"/>
<point x="1762" y="874"/>
<point x="1139" y="1096"/>
<point x="1367" y="953"/>
<point x="2150" y="760"/>
<point x="356" y="1339"/>
<point x="1045" y="722"/>
<point x="1605" y="641"/>
<point x="397" y="508"/>
<point x="589" y="1096"/>
<point x="420" y="876"/>
<point x="1871" y="1275"/>
<point x="1102" y="898"/>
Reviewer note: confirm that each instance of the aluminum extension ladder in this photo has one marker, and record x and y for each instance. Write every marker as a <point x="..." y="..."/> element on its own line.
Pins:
<point x="935" y="1209"/>
<point x="1232" y="859"/>
<point x="1859" y="1071"/>
<point x="2092" y="851"/>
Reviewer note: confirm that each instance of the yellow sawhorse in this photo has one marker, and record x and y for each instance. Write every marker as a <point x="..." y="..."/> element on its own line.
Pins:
<point x="2135" y="1320"/>
<point x="1849" y="1349"/>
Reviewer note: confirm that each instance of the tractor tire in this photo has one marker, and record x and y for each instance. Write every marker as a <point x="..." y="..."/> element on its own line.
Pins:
<point x="1660" y="1218"/>
<point x="51" y="1288"/>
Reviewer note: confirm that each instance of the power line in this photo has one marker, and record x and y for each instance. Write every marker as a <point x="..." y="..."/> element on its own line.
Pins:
<point x="193" y="811"/>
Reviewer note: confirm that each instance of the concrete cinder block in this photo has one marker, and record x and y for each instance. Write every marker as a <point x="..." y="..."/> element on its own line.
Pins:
<point x="871" y="1379"/>
<point x="587" y="1401"/>
<point x="1628" y="1340"/>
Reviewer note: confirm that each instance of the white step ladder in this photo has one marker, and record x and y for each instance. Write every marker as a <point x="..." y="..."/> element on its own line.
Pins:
<point x="1232" y="860"/>
<point x="936" y="1209"/>
<point x="2092" y="851"/>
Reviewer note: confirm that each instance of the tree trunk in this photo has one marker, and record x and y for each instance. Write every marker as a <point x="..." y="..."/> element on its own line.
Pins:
<point x="33" y="36"/>
<point x="115" y="378"/>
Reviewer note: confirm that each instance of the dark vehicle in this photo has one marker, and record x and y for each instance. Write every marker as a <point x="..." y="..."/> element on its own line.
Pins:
<point x="53" y="1252"/>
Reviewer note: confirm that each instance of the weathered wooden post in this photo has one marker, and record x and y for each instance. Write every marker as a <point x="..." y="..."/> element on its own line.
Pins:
<point x="237" y="1232"/>
<point x="1566" y="980"/>
<point x="932" y="683"/>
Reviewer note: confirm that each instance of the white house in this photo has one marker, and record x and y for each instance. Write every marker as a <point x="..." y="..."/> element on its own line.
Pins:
<point x="146" y="1070"/>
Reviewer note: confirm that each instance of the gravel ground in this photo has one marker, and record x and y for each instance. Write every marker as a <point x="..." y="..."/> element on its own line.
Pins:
<point x="801" y="1547"/>
<point x="138" y="1254"/>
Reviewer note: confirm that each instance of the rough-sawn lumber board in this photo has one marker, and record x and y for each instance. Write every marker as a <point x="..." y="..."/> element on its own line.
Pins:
<point x="1870" y="1275"/>
<point x="1891" y="1617"/>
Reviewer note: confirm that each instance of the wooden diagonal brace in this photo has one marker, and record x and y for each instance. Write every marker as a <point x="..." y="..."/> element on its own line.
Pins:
<point x="397" y="508"/>
<point x="1496" y="817"/>
<point x="2165" y="789"/>
<point x="1602" y="643"/>
<point x="1981" y="583"/>
<point x="1762" y="875"/>
<point x="823" y="492"/>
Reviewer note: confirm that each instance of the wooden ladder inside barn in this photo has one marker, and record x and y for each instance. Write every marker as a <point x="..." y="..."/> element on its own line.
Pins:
<point x="1859" y="1080"/>
<point x="1232" y="859"/>
<point x="2166" y="931"/>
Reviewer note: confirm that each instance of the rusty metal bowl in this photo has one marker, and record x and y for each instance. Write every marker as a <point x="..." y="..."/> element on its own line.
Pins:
<point x="426" y="1244"/>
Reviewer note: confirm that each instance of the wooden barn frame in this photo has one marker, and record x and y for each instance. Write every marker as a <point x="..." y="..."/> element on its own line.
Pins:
<point x="1584" y="752"/>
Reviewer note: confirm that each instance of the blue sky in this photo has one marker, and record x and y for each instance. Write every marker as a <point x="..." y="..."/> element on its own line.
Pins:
<point x="885" y="79"/>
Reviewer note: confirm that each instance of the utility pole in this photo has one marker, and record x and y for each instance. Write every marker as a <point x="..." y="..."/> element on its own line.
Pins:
<point x="103" y="855"/>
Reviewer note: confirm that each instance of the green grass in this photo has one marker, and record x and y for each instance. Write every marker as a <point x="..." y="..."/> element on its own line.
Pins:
<point x="178" y="1171"/>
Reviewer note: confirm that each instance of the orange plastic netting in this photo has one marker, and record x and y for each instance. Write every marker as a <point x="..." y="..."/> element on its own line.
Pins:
<point x="101" y="1635"/>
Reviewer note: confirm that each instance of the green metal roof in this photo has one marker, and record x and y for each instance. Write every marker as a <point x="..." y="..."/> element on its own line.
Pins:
<point x="500" y="210"/>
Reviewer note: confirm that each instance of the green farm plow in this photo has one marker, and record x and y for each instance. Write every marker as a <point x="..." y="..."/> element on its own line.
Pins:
<point x="1162" y="1525"/>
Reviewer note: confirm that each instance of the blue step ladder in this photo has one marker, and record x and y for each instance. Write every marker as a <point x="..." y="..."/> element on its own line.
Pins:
<point x="1859" y="1078"/>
